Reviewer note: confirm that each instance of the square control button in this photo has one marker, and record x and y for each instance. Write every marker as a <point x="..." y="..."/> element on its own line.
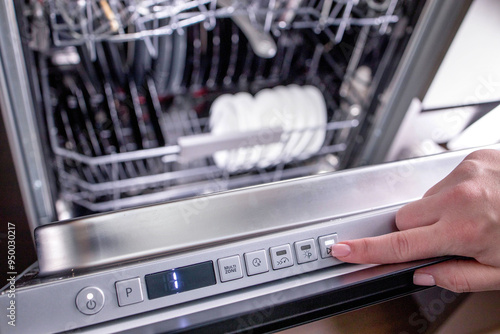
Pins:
<point x="129" y="291"/>
<point x="256" y="262"/>
<point x="281" y="256"/>
<point x="325" y="244"/>
<point x="230" y="268"/>
<point x="305" y="251"/>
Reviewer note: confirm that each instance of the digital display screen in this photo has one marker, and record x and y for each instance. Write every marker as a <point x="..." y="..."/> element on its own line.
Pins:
<point x="178" y="280"/>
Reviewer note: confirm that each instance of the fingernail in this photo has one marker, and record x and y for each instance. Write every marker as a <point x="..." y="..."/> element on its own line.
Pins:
<point x="340" y="250"/>
<point x="423" y="279"/>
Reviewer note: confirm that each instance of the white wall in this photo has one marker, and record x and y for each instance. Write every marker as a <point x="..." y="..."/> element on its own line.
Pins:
<point x="471" y="69"/>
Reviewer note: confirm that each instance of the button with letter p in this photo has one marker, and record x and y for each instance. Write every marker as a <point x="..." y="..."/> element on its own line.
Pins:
<point x="129" y="291"/>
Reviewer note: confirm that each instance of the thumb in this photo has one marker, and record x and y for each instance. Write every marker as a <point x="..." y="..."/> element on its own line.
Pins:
<point x="459" y="275"/>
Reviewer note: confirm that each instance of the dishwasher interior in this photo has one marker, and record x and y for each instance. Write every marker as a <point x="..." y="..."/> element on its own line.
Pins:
<point x="150" y="101"/>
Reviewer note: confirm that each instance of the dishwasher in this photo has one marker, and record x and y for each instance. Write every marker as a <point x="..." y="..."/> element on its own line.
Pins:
<point x="186" y="164"/>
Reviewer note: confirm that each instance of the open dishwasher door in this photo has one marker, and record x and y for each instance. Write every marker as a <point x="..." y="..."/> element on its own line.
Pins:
<point x="250" y="259"/>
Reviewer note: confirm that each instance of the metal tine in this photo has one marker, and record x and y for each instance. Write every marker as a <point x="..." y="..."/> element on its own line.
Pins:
<point x="147" y="39"/>
<point x="279" y="58"/>
<point x="226" y="47"/>
<point x="326" y="8"/>
<point x="241" y="58"/>
<point x="247" y="73"/>
<point x="233" y="58"/>
<point x="87" y="72"/>
<point x="354" y="61"/>
<point x="390" y="11"/>
<point x="113" y="113"/>
<point x="315" y="60"/>
<point x="101" y="172"/>
<point x="288" y="57"/>
<point x="210" y="21"/>
<point x="215" y="56"/>
<point x="144" y="131"/>
<point x="162" y="66"/>
<point x="178" y="122"/>
<point x="269" y="15"/>
<point x="186" y="82"/>
<point x="78" y="94"/>
<point x="326" y="56"/>
<point x="117" y="128"/>
<point x="139" y="116"/>
<point x="52" y="113"/>
<point x="117" y="69"/>
<point x="75" y="147"/>
<point x="170" y="138"/>
<point x="194" y="128"/>
<point x="176" y="129"/>
<point x="87" y="29"/>
<point x="178" y="61"/>
<point x="205" y="48"/>
<point x="199" y="43"/>
<point x="156" y="105"/>
<point x="343" y="24"/>
<point x="80" y="133"/>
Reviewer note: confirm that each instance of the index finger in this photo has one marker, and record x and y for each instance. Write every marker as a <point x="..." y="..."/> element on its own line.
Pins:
<point x="414" y="244"/>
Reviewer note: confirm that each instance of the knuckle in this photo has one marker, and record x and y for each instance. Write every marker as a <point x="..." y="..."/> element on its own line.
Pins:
<point x="459" y="283"/>
<point x="476" y="155"/>
<point x="362" y="249"/>
<point x="471" y="173"/>
<point x="466" y="194"/>
<point x="400" y="246"/>
<point x="469" y="167"/>
<point x="482" y="155"/>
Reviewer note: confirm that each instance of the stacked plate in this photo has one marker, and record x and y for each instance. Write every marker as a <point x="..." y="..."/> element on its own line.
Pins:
<point x="298" y="111"/>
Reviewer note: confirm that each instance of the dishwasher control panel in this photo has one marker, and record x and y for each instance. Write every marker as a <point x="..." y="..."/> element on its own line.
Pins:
<point x="190" y="278"/>
<point x="200" y="275"/>
<point x="253" y="265"/>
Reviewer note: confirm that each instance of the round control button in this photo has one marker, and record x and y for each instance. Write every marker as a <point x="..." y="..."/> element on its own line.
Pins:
<point x="90" y="300"/>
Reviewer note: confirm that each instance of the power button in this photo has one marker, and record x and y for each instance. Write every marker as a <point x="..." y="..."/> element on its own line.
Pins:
<point x="90" y="300"/>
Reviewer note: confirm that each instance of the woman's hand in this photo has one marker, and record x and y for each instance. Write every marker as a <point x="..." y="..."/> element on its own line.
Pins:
<point x="458" y="216"/>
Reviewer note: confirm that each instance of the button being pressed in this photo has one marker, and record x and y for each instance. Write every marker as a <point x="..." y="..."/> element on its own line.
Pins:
<point x="325" y="244"/>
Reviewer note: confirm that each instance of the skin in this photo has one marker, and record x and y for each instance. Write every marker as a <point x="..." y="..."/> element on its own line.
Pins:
<point x="460" y="215"/>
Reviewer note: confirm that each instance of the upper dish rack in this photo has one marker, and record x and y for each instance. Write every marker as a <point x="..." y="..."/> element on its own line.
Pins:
<point x="90" y="21"/>
<point x="127" y="88"/>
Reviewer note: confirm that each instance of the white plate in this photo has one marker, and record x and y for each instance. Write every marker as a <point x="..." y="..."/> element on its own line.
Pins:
<point x="219" y="108"/>
<point x="250" y="155"/>
<point x="223" y="120"/>
<point x="307" y="110"/>
<point x="319" y="133"/>
<point x="269" y="110"/>
<point x="297" y="119"/>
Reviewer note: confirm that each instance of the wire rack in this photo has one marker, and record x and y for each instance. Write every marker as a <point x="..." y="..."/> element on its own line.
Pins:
<point x="87" y="22"/>
<point x="126" y="84"/>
